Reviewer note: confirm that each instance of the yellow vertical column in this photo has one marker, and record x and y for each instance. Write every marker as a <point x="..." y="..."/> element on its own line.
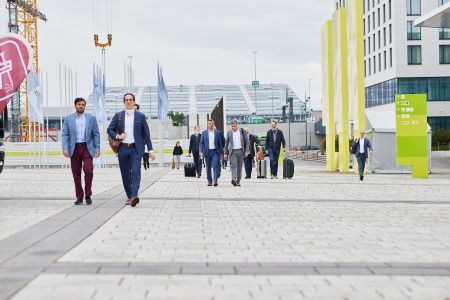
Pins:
<point x="355" y="38"/>
<point x="327" y="93"/>
<point x="340" y="82"/>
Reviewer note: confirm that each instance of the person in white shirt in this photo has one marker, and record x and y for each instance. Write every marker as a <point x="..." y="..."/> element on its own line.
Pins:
<point x="236" y="148"/>
<point x="363" y="148"/>
<point x="131" y="128"/>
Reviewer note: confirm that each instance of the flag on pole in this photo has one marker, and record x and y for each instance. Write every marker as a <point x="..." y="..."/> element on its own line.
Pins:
<point x="35" y="101"/>
<point x="99" y="96"/>
<point x="163" y="97"/>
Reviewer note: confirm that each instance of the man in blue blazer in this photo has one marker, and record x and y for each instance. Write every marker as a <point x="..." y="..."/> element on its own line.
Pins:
<point x="131" y="128"/>
<point x="81" y="142"/>
<point x="363" y="148"/>
<point x="211" y="148"/>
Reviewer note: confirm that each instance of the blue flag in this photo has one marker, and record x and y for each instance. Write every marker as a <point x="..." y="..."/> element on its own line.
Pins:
<point x="163" y="97"/>
<point x="99" y="97"/>
<point x="35" y="101"/>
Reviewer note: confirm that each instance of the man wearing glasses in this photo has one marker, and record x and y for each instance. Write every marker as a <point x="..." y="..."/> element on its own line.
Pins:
<point x="131" y="128"/>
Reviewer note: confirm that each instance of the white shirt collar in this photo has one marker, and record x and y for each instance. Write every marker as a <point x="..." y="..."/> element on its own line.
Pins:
<point x="129" y="112"/>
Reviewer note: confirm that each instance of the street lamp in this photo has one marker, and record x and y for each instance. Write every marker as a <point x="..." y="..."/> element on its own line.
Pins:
<point x="306" y="119"/>
<point x="272" y="100"/>
<point x="309" y="92"/>
<point x="256" y="105"/>
<point x="131" y="76"/>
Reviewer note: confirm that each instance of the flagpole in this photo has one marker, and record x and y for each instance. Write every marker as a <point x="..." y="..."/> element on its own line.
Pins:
<point x="46" y="97"/>
<point x="60" y="112"/>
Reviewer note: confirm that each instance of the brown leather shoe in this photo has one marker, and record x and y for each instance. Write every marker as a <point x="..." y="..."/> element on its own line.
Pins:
<point x="199" y="175"/>
<point x="233" y="182"/>
<point x="134" y="201"/>
<point x="209" y="183"/>
<point x="248" y="176"/>
<point x="128" y="202"/>
<point x="238" y="183"/>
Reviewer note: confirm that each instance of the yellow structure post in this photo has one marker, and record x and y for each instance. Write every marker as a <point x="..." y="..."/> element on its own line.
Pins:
<point x="355" y="37"/>
<point x="327" y="93"/>
<point x="340" y="82"/>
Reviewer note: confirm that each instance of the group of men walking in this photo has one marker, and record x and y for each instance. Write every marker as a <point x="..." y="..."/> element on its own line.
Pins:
<point x="81" y="143"/>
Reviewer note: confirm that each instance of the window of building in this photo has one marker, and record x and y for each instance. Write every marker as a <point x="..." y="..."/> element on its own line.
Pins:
<point x="368" y="45"/>
<point x="442" y="2"/>
<point x="381" y="93"/>
<point x="390" y="33"/>
<point x="379" y="16"/>
<point x="436" y="88"/>
<point x="444" y="54"/>
<point x="390" y="58"/>
<point x="374" y="64"/>
<point x="379" y="39"/>
<point x="364" y="6"/>
<point x="414" y="33"/>
<point x="368" y="5"/>
<point x="368" y="23"/>
<point x="379" y="62"/>
<point x="444" y="33"/>
<point x="385" y="60"/>
<point x="373" y="3"/>
<point x="364" y="47"/>
<point x="384" y="36"/>
<point x="384" y="13"/>
<point x="365" y="73"/>
<point x="370" y="68"/>
<point x="414" y="55"/>
<point x="364" y="26"/>
<point x="413" y="7"/>
<point x="374" y="43"/>
<point x="390" y="9"/>
<point x="373" y="20"/>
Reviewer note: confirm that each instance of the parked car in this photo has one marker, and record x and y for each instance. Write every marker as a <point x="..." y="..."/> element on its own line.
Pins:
<point x="2" y="155"/>
<point x="309" y="148"/>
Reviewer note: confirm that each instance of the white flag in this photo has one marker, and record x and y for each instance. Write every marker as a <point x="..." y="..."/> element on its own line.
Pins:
<point x="34" y="93"/>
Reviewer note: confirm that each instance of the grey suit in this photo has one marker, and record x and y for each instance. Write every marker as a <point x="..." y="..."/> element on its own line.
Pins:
<point x="236" y="156"/>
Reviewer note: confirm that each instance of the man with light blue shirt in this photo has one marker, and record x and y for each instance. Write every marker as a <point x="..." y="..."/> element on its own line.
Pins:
<point x="81" y="142"/>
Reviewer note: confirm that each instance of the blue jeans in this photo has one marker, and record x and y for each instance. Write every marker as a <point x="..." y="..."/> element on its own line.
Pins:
<point x="248" y="165"/>
<point x="197" y="162"/>
<point x="212" y="161"/>
<point x="130" y="168"/>
<point x="274" y="154"/>
<point x="361" y="158"/>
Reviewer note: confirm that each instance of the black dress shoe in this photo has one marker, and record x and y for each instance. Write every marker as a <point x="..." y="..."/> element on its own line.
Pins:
<point x="248" y="176"/>
<point x="233" y="183"/>
<point x="216" y="184"/>
<point x="78" y="202"/>
<point x="238" y="183"/>
<point x="88" y="200"/>
<point x="134" y="202"/>
<point x="361" y="178"/>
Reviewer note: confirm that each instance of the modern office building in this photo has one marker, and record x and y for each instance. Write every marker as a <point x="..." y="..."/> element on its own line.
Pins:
<point x="243" y="102"/>
<point x="400" y="58"/>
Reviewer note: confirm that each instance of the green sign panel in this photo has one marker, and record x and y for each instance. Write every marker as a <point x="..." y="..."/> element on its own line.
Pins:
<point x="411" y="137"/>
<point x="255" y="83"/>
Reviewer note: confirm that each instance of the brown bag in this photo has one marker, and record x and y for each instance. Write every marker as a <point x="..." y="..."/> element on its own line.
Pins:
<point x="173" y="162"/>
<point x="115" y="144"/>
<point x="259" y="155"/>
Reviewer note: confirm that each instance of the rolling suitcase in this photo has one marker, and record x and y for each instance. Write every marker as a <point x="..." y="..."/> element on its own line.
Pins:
<point x="189" y="169"/>
<point x="288" y="168"/>
<point x="261" y="169"/>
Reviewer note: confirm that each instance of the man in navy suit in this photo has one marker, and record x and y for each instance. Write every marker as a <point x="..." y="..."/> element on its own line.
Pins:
<point x="211" y="148"/>
<point x="81" y="142"/>
<point x="131" y="128"/>
<point x="363" y="148"/>
<point x="194" y="148"/>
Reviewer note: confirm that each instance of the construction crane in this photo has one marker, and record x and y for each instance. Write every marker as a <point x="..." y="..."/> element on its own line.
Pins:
<point x="23" y="17"/>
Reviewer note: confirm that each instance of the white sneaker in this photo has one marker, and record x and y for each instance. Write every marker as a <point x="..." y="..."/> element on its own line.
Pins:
<point x="275" y="176"/>
<point x="271" y="176"/>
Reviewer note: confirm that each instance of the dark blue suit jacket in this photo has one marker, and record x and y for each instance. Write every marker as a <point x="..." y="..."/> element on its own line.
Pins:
<point x="141" y="130"/>
<point x="367" y="147"/>
<point x="219" y="142"/>
<point x="192" y="145"/>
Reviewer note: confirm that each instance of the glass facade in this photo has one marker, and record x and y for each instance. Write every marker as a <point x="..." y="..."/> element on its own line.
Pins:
<point x="444" y="33"/>
<point x="436" y="88"/>
<point x="437" y="123"/>
<point x="442" y="2"/>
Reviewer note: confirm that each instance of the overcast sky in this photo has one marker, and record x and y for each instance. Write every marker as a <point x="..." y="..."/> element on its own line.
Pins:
<point x="196" y="42"/>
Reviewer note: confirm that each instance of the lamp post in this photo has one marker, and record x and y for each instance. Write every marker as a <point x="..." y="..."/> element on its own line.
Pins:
<point x="272" y="100"/>
<point x="256" y="105"/>
<point x="131" y="76"/>
<point x="306" y="123"/>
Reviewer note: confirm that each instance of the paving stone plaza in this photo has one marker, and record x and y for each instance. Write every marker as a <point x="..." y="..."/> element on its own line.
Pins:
<point x="321" y="235"/>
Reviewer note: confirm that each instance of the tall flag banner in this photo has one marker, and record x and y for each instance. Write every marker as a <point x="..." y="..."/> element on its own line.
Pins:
<point x="15" y="63"/>
<point x="163" y="97"/>
<point x="35" y="100"/>
<point x="99" y="96"/>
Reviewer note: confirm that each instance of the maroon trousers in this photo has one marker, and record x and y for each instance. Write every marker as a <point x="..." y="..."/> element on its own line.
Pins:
<point x="82" y="159"/>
